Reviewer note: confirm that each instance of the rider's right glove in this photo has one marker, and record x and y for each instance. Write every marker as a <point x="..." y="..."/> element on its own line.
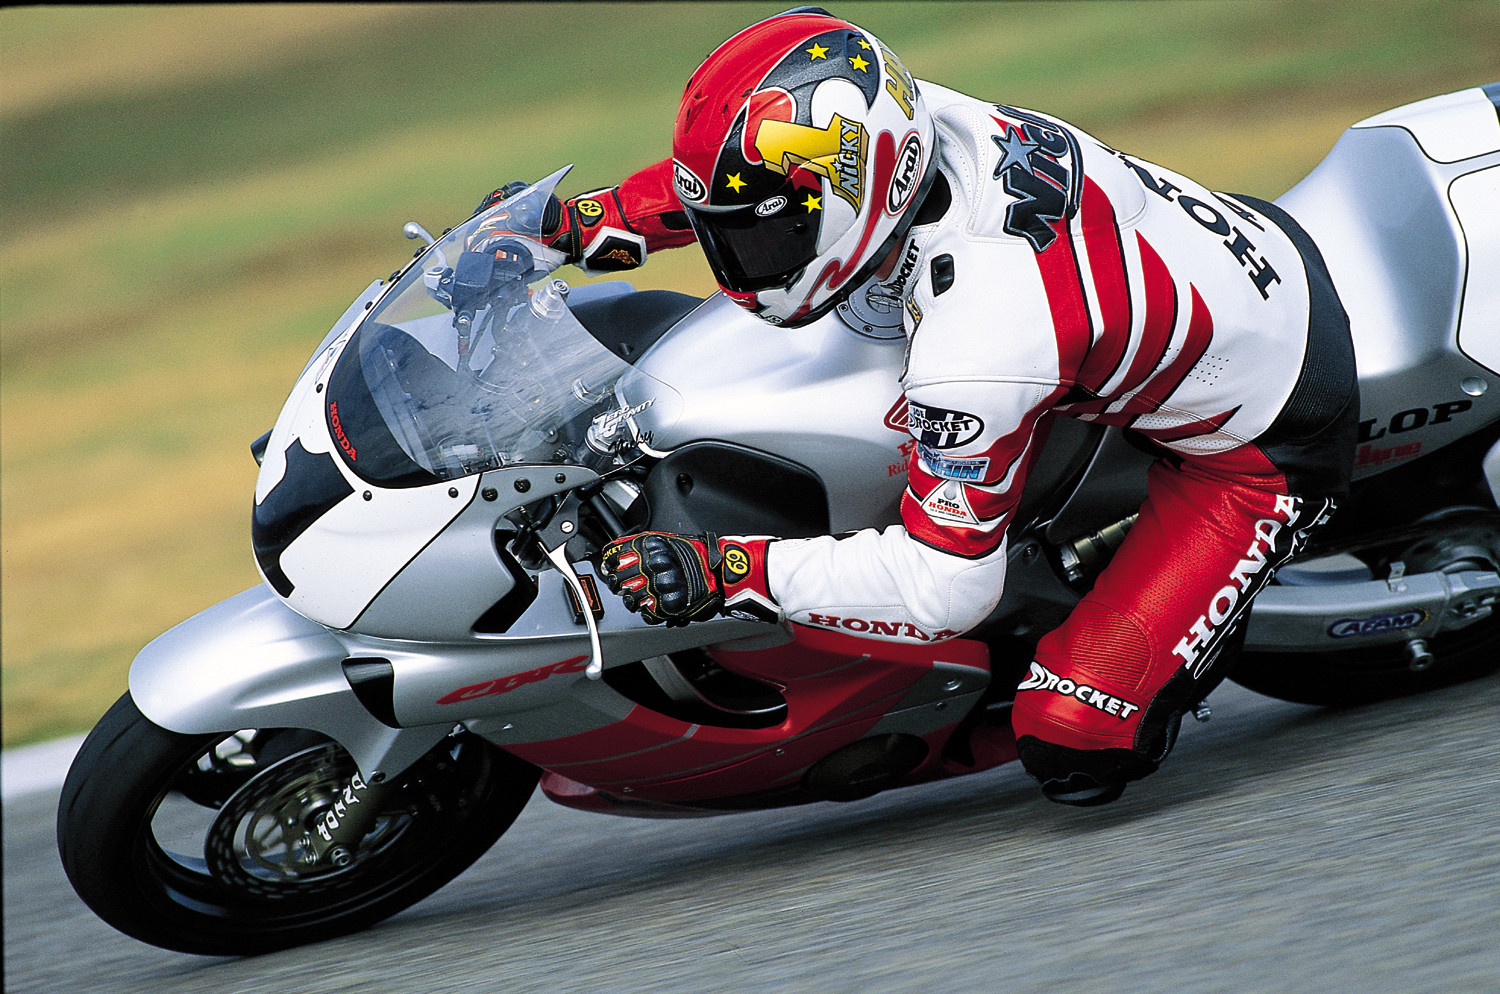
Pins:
<point x="676" y="579"/>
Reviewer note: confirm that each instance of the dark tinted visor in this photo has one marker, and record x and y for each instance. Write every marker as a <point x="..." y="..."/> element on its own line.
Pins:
<point x="749" y="252"/>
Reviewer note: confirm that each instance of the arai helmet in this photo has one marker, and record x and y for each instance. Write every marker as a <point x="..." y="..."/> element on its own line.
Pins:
<point x="800" y="152"/>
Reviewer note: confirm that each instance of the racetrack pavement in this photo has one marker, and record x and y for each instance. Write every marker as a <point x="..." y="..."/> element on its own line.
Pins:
<point x="1283" y="848"/>
<point x="36" y="768"/>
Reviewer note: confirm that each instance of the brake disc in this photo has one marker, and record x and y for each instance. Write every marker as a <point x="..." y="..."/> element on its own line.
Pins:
<point x="260" y="842"/>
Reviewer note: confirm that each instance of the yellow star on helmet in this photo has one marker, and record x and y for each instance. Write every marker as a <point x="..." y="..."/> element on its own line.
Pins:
<point x="864" y="44"/>
<point x="733" y="181"/>
<point x="813" y="203"/>
<point x="817" y="51"/>
<point x="859" y="63"/>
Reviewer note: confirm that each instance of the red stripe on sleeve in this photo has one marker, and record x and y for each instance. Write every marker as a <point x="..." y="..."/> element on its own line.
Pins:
<point x="1070" y="312"/>
<point x="967" y="542"/>
<point x="986" y="502"/>
<point x="1101" y="240"/>
<point x="1200" y="333"/>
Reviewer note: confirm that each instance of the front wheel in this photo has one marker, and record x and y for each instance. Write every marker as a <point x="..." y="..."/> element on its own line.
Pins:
<point x="197" y="843"/>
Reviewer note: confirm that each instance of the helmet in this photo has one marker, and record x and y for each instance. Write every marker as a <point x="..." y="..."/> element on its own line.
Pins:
<point x="799" y="153"/>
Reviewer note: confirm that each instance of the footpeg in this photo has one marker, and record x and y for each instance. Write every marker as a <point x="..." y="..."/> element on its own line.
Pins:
<point x="1418" y="656"/>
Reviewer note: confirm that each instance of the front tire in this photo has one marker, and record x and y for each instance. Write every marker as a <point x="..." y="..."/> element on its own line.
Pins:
<point x="191" y="842"/>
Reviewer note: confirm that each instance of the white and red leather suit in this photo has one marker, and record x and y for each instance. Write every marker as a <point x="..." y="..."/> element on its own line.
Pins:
<point x="1046" y="274"/>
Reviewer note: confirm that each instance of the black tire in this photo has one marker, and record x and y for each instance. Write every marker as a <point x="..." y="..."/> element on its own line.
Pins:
<point x="1375" y="673"/>
<point x="437" y="819"/>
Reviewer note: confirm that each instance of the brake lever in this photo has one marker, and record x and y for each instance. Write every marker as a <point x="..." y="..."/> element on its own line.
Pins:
<point x="553" y="541"/>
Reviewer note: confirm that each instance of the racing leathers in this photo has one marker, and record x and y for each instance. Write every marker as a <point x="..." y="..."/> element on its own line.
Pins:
<point x="1047" y="273"/>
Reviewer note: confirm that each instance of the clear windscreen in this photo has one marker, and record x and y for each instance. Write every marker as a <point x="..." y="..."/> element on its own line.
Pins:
<point x="474" y="361"/>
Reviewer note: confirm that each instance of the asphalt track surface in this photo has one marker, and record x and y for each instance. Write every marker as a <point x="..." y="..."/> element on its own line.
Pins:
<point x="1283" y="848"/>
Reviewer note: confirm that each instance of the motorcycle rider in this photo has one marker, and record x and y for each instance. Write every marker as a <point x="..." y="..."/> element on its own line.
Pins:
<point x="1038" y="272"/>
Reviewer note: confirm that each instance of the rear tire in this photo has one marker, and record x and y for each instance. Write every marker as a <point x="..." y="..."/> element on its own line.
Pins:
<point x="1375" y="673"/>
<point x="239" y="886"/>
<point x="1447" y="541"/>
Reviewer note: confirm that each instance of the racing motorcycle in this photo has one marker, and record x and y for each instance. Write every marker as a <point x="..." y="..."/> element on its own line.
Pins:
<point x="431" y="641"/>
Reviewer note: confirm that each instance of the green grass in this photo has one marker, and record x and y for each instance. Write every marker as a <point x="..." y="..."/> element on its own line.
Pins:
<point x="189" y="196"/>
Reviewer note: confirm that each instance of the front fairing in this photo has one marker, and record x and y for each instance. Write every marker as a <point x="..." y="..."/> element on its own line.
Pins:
<point x="471" y="362"/>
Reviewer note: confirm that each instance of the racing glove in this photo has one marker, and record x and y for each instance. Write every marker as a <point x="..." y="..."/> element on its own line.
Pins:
<point x="613" y="229"/>
<point x="495" y="196"/>
<point x="675" y="579"/>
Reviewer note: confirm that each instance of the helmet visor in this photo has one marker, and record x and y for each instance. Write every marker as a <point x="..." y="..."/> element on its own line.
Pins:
<point x="749" y="251"/>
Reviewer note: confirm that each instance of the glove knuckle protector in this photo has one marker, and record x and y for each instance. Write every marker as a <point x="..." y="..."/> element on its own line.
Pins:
<point x="676" y="579"/>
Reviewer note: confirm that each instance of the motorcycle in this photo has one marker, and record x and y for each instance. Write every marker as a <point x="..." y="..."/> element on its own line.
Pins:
<point x="431" y="642"/>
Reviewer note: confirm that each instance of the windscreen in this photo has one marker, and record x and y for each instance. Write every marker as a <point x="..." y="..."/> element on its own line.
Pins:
<point x="474" y="361"/>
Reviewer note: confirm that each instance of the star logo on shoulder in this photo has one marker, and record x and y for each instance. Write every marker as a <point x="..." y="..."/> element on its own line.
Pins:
<point x="1016" y="151"/>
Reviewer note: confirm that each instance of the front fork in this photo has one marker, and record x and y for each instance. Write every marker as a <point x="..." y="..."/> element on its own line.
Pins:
<point x="337" y="832"/>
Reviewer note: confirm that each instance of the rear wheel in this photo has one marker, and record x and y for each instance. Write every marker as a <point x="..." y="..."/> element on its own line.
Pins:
<point x="1377" y="673"/>
<point x="1455" y="541"/>
<point x="199" y="843"/>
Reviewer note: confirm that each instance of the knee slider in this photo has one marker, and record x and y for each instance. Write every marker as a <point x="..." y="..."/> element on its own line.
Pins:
<point x="1081" y="777"/>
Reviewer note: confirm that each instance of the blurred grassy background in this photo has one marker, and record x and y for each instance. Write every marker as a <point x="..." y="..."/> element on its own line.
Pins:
<point x="189" y="196"/>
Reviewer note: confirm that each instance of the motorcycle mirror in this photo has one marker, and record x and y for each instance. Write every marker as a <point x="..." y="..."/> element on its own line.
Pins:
<point x="415" y="230"/>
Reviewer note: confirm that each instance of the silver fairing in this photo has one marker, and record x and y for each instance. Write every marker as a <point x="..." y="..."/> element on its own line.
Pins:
<point x="1406" y="211"/>
<point x="822" y="396"/>
<point x="253" y="662"/>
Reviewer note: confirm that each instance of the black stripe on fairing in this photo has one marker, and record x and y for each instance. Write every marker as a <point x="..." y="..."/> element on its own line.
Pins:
<point x="309" y="488"/>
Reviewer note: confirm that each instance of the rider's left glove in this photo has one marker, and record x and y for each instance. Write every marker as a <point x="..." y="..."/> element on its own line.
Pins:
<point x="494" y="197"/>
<point x="592" y="232"/>
<point x="674" y="579"/>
